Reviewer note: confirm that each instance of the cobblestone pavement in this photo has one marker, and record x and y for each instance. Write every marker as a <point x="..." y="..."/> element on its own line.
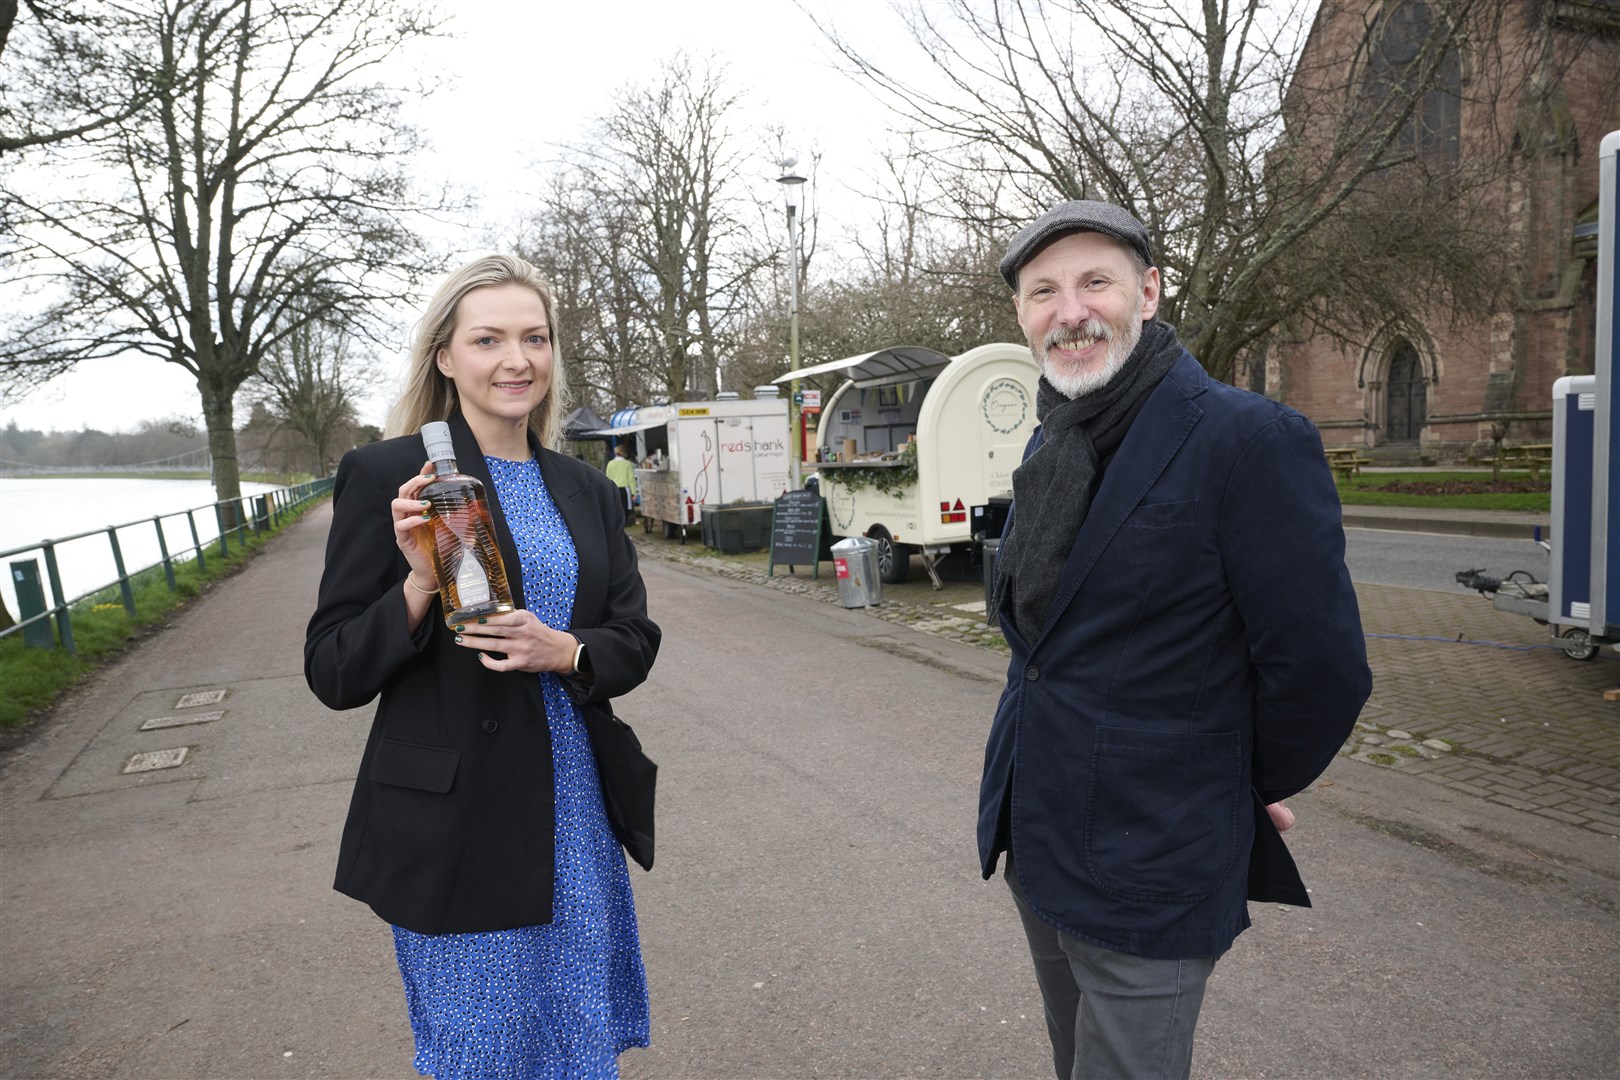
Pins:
<point x="1463" y="695"/>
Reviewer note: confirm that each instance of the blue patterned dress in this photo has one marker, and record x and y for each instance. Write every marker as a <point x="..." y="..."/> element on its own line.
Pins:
<point x="564" y="999"/>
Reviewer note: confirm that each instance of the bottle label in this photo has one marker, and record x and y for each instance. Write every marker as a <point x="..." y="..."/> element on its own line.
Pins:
<point x="472" y="584"/>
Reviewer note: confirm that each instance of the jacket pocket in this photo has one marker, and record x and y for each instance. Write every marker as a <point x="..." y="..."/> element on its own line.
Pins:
<point x="413" y="765"/>
<point x="1161" y="812"/>
<point x="629" y="782"/>
<point x="1162" y="514"/>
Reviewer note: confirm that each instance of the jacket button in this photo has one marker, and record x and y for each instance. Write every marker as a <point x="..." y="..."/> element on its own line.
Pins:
<point x="490" y="725"/>
<point x="1032" y="673"/>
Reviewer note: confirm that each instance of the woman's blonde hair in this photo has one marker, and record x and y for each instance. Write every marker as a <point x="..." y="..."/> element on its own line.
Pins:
<point x="430" y="395"/>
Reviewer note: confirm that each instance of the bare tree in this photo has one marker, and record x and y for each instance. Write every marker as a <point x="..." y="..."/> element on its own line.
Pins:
<point x="580" y="243"/>
<point x="657" y="222"/>
<point x="53" y="37"/>
<point x="260" y="187"/>
<point x="309" y="383"/>
<point x="1267" y="204"/>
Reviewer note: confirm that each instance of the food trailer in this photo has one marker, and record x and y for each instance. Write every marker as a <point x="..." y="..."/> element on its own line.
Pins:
<point x="912" y="438"/>
<point x="690" y="454"/>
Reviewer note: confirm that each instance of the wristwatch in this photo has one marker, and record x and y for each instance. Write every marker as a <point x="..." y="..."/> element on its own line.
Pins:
<point x="582" y="663"/>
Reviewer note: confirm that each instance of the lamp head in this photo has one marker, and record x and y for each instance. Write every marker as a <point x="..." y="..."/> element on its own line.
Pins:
<point x="790" y="182"/>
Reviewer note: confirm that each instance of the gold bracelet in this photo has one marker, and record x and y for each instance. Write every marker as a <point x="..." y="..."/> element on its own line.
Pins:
<point x="410" y="579"/>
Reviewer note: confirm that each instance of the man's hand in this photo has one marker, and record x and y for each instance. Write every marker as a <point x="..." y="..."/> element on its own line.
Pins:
<point x="1281" y="816"/>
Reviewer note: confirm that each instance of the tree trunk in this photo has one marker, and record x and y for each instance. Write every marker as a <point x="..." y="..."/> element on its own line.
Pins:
<point x="219" y="410"/>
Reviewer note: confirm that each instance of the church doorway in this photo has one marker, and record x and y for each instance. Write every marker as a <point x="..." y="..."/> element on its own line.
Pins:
<point x="1406" y="407"/>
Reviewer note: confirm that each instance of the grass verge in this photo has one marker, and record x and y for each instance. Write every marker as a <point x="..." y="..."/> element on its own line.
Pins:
<point x="34" y="678"/>
<point x="1361" y="491"/>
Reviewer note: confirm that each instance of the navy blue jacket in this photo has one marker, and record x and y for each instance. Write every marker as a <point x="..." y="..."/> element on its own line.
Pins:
<point x="1202" y="656"/>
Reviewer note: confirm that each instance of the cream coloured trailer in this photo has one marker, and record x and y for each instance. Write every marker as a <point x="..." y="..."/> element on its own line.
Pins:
<point x="966" y="418"/>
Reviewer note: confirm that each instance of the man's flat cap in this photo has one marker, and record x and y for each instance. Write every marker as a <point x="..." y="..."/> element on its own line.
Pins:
<point x="1080" y="215"/>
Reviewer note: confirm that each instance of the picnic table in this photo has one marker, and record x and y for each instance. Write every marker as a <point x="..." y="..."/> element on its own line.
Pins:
<point x="1345" y="460"/>
<point x="1531" y="456"/>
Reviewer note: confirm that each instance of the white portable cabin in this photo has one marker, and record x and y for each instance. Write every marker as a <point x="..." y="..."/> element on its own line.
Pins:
<point x="970" y="417"/>
<point x="695" y="453"/>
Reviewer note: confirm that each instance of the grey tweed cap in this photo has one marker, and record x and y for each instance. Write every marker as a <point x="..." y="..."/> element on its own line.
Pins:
<point x="1079" y="215"/>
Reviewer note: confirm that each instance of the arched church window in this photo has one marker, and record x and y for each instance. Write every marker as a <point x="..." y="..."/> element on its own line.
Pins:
<point x="1409" y="55"/>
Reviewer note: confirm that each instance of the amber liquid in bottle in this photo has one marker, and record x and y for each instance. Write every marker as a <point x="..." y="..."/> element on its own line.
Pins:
<point x="472" y="578"/>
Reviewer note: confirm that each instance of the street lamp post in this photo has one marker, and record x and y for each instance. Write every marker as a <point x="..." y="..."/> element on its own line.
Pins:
<point x="790" y="186"/>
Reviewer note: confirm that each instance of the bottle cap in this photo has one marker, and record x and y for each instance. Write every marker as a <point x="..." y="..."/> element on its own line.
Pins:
<point x="436" y="438"/>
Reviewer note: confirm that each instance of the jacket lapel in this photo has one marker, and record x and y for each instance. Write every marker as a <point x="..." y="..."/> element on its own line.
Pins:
<point x="1155" y="436"/>
<point x="585" y="527"/>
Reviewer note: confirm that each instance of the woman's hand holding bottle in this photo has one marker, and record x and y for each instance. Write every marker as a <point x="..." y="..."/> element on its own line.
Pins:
<point x="409" y="511"/>
<point x="523" y="642"/>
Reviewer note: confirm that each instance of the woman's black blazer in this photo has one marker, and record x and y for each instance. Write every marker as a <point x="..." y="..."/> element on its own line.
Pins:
<point x="451" y="828"/>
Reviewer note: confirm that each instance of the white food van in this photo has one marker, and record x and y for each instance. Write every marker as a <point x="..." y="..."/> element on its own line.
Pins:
<point x="695" y="453"/>
<point x="969" y="416"/>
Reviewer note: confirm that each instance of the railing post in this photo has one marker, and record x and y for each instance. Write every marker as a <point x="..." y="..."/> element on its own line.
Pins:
<point x="64" y="619"/>
<point x="261" y="513"/>
<point x="219" y="520"/>
<point x="123" y="575"/>
<point x="163" y="549"/>
<point x="196" y="542"/>
<point x="31" y="605"/>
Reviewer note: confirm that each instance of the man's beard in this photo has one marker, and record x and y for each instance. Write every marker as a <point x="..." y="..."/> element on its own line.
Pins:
<point x="1077" y="383"/>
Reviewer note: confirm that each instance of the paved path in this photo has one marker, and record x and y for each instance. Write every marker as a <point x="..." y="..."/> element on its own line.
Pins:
<point x="815" y="911"/>
<point x="1464" y="695"/>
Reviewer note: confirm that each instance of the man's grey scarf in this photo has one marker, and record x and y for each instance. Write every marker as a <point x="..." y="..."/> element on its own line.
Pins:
<point x="1052" y="491"/>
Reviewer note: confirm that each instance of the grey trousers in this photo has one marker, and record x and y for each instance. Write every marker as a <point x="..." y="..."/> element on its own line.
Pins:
<point x="1110" y="1014"/>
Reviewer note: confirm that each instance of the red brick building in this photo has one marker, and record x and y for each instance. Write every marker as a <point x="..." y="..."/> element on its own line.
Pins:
<point x="1535" y="95"/>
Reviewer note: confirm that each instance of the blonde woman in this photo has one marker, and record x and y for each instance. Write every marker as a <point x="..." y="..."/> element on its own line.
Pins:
<point x="496" y="786"/>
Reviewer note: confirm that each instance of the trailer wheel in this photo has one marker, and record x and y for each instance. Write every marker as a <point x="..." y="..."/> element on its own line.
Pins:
<point x="894" y="560"/>
<point x="672" y="530"/>
<point x="1577" y="644"/>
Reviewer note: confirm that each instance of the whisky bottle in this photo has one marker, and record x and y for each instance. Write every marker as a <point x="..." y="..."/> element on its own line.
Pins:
<point x="472" y="580"/>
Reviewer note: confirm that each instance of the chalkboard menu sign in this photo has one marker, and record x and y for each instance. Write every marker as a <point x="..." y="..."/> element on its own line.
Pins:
<point x="796" y="531"/>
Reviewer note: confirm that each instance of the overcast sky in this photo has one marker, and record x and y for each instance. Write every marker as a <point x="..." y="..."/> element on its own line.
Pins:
<point x="528" y="77"/>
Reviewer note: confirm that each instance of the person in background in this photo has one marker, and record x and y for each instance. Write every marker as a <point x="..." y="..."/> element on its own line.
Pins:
<point x="623" y="474"/>
<point x="478" y="826"/>
<point x="1186" y="653"/>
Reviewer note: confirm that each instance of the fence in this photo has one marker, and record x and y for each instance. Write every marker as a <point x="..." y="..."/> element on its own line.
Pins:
<point x="256" y="513"/>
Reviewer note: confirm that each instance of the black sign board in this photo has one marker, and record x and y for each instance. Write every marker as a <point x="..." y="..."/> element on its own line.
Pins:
<point x="797" y="531"/>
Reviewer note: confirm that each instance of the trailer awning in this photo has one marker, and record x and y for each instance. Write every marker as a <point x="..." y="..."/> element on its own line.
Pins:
<point x="629" y="429"/>
<point x="634" y="418"/>
<point x="897" y="364"/>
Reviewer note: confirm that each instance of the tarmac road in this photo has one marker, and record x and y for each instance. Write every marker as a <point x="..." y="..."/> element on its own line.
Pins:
<point x="1423" y="561"/>
<point x="815" y="909"/>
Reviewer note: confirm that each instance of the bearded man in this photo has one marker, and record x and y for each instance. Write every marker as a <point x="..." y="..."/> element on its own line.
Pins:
<point x="1186" y="653"/>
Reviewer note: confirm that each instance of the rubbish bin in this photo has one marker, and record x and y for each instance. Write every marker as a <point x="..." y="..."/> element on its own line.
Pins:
<point x="855" y="561"/>
<point x="992" y="547"/>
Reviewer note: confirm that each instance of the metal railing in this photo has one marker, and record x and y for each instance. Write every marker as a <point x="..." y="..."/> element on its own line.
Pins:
<point x="257" y="513"/>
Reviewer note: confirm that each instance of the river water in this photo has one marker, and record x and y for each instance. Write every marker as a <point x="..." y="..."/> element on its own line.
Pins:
<point x="40" y="509"/>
